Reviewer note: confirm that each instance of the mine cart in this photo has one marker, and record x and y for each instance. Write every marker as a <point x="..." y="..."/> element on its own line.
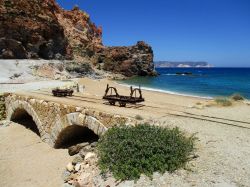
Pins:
<point x="112" y="96"/>
<point x="62" y="92"/>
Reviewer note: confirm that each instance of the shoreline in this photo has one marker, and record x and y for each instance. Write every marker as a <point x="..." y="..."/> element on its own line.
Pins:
<point x="165" y="91"/>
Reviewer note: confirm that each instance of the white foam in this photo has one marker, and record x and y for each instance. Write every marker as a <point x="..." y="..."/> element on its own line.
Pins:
<point x="165" y="91"/>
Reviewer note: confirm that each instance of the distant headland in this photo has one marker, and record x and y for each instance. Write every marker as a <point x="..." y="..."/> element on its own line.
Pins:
<point x="185" y="64"/>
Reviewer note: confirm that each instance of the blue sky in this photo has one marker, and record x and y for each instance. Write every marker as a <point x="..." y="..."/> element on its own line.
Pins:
<point x="216" y="31"/>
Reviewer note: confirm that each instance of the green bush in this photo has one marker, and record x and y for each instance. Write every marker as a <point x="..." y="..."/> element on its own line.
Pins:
<point x="223" y="101"/>
<point x="237" y="97"/>
<point x="128" y="151"/>
<point x="138" y="117"/>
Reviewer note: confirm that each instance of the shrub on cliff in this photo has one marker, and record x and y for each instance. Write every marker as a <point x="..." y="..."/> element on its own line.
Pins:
<point x="79" y="68"/>
<point x="128" y="152"/>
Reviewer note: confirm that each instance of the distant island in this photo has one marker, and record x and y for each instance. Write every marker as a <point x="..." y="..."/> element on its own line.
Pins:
<point x="188" y="64"/>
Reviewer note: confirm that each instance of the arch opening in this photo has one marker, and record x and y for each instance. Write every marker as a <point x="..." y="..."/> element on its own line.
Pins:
<point x="22" y="117"/>
<point x="74" y="135"/>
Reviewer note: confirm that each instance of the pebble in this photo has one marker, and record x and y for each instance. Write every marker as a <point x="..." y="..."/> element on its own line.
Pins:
<point x="67" y="185"/>
<point x="94" y="144"/>
<point x="70" y="167"/>
<point x="85" y="179"/>
<point x="77" y="159"/>
<point x="66" y="175"/>
<point x="89" y="155"/>
<point x="78" y="167"/>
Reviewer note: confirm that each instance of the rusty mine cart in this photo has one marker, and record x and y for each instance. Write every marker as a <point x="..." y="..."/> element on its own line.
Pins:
<point x="114" y="97"/>
<point x="62" y="92"/>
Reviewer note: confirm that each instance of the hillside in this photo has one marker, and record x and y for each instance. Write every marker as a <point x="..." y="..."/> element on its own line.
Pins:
<point x="41" y="29"/>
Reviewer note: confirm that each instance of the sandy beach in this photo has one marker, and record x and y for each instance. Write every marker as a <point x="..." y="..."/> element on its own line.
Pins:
<point x="222" y="155"/>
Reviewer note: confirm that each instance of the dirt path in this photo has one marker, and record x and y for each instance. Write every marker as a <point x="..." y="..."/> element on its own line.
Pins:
<point x="26" y="161"/>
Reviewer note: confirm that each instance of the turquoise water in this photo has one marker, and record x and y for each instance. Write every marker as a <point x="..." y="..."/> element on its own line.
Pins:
<point x="204" y="82"/>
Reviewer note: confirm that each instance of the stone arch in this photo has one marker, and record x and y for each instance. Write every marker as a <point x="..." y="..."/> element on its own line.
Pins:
<point x="81" y="128"/>
<point x="88" y="121"/>
<point x="19" y="110"/>
<point x="75" y="134"/>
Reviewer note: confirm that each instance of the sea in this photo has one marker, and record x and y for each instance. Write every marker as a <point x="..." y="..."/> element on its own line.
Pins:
<point x="198" y="82"/>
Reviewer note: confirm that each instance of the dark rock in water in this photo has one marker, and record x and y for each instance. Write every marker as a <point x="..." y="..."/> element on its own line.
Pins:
<point x="184" y="73"/>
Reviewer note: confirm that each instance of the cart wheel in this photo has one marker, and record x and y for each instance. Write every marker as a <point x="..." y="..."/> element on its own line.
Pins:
<point x="122" y="104"/>
<point x="112" y="103"/>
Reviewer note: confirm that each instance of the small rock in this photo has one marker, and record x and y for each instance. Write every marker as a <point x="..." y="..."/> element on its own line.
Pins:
<point x="67" y="185"/>
<point x="73" y="150"/>
<point x="77" y="159"/>
<point x="70" y="167"/>
<point x="86" y="166"/>
<point x="85" y="150"/>
<point x="66" y="176"/>
<point x="78" y="109"/>
<point x="78" y="167"/>
<point x="5" y="123"/>
<point x="94" y="144"/>
<point x="82" y="153"/>
<point x="89" y="155"/>
<point x="85" y="179"/>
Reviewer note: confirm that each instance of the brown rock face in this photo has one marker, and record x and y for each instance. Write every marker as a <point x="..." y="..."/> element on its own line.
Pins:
<point x="30" y="29"/>
<point x="84" y="37"/>
<point x="129" y="61"/>
<point x="41" y="29"/>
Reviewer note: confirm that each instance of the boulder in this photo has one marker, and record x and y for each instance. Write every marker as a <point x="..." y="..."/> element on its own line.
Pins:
<point x="12" y="49"/>
<point x="77" y="159"/>
<point x="73" y="150"/>
<point x="70" y="167"/>
<point x="129" y="61"/>
<point x="89" y="156"/>
<point x="77" y="167"/>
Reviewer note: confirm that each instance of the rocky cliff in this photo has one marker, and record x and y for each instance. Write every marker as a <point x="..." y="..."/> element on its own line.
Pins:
<point x="33" y="29"/>
<point x="133" y="60"/>
<point x="30" y="29"/>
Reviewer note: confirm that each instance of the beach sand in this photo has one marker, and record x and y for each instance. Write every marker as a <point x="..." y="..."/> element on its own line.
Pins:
<point x="223" y="132"/>
<point x="27" y="161"/>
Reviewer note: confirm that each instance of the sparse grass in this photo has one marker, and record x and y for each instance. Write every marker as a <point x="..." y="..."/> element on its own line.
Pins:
<point x="223" y="101"/>
<point x="237" y="97"/>
<point x="138" y="117"/>
<point x="128" y="151"/>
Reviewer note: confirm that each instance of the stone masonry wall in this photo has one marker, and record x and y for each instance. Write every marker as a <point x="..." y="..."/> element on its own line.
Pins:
<point x="2" y="107"/>
<point x="52" y="118"/>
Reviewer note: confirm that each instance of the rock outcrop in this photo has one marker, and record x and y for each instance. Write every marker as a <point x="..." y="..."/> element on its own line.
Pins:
<point x="30" y="29"/>
<point x="129" y="61"/>
<point x="33" y="29"/>
<point x="84" y="37"/>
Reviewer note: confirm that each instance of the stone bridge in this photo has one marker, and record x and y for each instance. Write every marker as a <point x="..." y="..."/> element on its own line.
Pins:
<point x="57" y="124"/>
